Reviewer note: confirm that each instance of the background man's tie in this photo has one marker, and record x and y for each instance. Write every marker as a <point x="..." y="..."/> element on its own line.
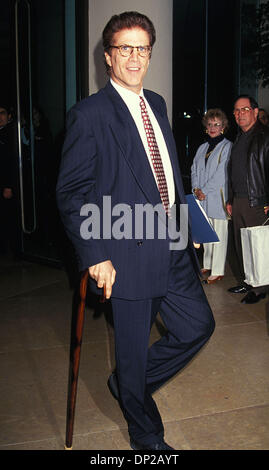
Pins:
<point x="155" y="157"/>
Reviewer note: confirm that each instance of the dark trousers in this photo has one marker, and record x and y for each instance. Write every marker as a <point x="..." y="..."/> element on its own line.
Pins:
<point x="245" y="216"/>
<point x="142" y="369"/>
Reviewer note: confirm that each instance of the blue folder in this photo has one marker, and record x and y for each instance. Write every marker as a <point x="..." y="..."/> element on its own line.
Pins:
<point x="202" y="230"/>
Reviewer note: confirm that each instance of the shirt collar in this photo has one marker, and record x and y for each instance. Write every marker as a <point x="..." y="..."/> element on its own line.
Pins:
<point x="127" y="95"/>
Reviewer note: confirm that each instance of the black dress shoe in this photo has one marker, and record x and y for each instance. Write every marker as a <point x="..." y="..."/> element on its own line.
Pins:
<point x="157" y="446"/>
<point x="252" y="298"/>
<point x="113" y="386"/>
<point x="239" y="289"/>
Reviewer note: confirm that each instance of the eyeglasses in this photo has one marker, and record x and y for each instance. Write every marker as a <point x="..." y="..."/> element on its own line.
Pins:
<point x="125" y="50"/>
<point x="244" y="110"/>
<point x="215" y="124"/>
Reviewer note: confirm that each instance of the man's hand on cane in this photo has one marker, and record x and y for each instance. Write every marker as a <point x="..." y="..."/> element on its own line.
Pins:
<point x="104" y="274"/>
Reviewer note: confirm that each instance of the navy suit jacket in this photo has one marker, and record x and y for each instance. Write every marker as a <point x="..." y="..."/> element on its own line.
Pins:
<point x="103" y="155"/>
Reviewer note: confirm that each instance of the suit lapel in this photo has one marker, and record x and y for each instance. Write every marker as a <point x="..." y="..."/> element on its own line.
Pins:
<point x="123" y="126"/>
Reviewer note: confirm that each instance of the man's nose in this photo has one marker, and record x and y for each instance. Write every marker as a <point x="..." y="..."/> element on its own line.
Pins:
<point x="134" y="54"/>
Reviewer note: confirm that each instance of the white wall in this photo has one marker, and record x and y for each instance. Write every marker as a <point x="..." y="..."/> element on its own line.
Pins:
<point x="159" y="76"/>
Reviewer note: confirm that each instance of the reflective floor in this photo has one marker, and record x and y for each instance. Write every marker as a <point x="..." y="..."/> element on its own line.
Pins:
<point x="219" y="401"/>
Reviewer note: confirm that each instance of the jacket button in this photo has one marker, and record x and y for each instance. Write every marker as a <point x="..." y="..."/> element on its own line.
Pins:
<point x="139" y="243"/>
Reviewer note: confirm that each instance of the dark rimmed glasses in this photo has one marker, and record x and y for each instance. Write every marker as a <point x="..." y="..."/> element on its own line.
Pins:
<point x="126" y="50"/>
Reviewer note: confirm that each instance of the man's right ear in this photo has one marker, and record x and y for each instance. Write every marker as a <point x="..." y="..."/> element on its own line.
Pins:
<point x="108" y="59"/>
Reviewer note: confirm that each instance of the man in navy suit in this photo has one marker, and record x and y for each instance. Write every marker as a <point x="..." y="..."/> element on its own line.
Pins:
<point x="113" y="141"/>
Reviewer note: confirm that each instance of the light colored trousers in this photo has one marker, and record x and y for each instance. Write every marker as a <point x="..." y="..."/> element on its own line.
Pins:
<point x="215" y="253"/>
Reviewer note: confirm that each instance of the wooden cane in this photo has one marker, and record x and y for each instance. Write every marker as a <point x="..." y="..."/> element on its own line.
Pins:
<point x="75" y="348"/>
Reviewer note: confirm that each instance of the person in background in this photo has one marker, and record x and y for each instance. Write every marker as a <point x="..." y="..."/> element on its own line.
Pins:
<point x="5" y="152"/>
<point x="263" y="117"/>
<point x="9" y="200"/>
<point x="248" y="183"/>
<point x="209" y="183"/>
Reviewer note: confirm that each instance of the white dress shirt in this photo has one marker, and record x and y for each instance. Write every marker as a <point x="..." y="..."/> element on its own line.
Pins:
<point x="132" y="101"/>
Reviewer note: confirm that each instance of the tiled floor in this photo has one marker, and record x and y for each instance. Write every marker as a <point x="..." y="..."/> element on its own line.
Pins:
<point x="220" y="401"/>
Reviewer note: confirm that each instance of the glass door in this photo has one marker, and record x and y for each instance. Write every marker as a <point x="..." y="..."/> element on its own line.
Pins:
<point x="46" y="87"/>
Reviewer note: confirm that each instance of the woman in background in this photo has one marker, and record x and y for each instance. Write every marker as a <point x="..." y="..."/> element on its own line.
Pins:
<point x="209" y="183"/>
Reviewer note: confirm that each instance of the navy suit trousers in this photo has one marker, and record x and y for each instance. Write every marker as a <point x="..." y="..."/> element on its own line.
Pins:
<point x="141" y="369"/>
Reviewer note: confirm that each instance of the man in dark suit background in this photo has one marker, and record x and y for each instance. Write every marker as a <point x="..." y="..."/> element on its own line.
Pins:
<point x="248" y="184"/>
<point x="119" y="148"/>
<point x="9" y="200"/>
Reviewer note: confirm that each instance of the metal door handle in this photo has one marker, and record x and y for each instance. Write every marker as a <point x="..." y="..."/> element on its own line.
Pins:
<point x="25" y="229"/>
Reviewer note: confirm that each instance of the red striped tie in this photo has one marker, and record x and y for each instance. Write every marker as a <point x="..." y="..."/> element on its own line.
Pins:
<point x="155" y="157"/>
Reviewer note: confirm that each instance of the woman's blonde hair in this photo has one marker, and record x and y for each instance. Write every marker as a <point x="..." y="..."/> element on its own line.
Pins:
<point x="216" y="113"/>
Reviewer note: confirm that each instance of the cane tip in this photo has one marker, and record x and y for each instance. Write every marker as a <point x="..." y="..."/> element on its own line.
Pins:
<point x="67" y="448"/>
